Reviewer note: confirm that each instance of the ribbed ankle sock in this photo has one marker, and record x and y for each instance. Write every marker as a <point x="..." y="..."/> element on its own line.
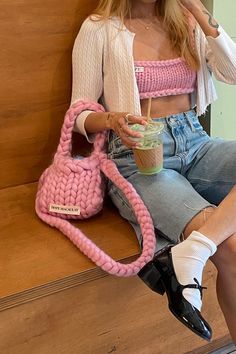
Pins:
<point x="189" y="258"/>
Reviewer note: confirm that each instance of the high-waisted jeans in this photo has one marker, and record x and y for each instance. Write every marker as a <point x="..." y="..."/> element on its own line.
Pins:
<point x="199" y="171"/>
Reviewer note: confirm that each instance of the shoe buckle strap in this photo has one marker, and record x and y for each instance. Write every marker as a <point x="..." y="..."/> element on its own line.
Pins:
<point x="195" y="286"/>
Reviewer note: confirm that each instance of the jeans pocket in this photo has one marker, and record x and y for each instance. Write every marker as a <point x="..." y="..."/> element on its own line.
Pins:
<point x="118" y="150"/>
<point x="197" y="127"/>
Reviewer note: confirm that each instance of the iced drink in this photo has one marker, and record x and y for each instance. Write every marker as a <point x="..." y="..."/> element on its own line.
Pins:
<point x="149" y="154"/>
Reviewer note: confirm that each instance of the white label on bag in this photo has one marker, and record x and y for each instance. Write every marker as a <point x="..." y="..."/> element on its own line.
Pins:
<point x="139" y="69"/>
<point x="64" y="209"/>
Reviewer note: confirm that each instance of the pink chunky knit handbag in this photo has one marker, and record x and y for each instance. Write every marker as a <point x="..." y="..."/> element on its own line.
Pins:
<point x="74" y="188"/>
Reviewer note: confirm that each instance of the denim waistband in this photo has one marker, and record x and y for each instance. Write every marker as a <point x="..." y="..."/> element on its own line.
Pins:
<point x="178" y="118"/>
<point x="173" y="122"/>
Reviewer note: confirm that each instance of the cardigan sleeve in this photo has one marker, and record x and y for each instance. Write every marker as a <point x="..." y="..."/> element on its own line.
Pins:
<point x="221" y="57"/>
<point x="87" y="73"/>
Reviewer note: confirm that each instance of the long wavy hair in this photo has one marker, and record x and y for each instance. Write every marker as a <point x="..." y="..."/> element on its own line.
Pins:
<point x="175" y="18"/>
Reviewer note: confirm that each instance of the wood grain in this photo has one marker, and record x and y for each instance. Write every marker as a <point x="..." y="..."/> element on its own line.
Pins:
<point x="224" y="344"/>
<point x="35" y="88"/>
<point x="32" y="253"/>
<point x="104" y="316"/>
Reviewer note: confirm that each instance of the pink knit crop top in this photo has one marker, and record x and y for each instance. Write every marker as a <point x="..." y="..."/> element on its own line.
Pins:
<point x="164" y="77"/>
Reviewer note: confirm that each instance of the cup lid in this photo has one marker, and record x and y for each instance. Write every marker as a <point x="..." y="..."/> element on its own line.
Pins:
<point x="149" y="129"/>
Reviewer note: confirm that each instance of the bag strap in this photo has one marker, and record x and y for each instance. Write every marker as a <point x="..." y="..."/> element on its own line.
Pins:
<point x="108" y="167"/>
<point x="65" y="146"/>
<point x="89" y="248"/>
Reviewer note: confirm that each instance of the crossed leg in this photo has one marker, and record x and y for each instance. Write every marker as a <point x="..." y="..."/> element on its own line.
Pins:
<point x="220" y="226"/>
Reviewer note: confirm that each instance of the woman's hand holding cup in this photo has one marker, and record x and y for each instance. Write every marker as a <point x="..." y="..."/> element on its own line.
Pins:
<point x="119" y="123"/>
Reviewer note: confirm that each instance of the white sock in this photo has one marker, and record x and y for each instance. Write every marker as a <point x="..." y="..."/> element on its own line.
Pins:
<point x="189" y="258"/>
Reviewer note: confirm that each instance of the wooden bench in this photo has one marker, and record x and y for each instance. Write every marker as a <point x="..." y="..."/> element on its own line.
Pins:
<point x="52" y="298"/>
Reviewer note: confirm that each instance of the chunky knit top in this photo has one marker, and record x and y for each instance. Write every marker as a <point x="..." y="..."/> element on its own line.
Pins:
<point x="164" y="77"/>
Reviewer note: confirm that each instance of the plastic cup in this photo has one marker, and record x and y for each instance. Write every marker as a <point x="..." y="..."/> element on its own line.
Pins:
<point x="148" y="154"/>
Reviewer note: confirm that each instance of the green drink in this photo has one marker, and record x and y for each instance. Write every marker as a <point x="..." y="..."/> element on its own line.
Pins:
<point x="149" y="154"/>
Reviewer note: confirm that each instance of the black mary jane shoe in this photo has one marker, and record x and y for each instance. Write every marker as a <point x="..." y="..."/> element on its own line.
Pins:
<point x="159" y="275"/>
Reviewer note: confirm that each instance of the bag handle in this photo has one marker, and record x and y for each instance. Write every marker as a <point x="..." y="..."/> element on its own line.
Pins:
<point x="89" y="248"/>
<point x="64" y="147"/>
<point x="108" y="167"/>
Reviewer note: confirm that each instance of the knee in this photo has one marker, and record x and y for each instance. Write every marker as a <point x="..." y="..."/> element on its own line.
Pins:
<point x="198" y="220"/>
<point x="233" y="190"/>
<point x="225" y="257"/>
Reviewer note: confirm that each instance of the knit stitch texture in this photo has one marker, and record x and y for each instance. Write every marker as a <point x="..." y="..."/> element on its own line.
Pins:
<point x="71" y="182"/>
<point x="164" y="78"/>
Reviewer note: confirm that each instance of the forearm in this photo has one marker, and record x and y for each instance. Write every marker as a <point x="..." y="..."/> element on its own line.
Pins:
<point x="99" y="121"/>
<point x="96" y="122"/>
<point x="116" y="121"/>
<point x="204" y="18"/>
<point x="220" y="50"/>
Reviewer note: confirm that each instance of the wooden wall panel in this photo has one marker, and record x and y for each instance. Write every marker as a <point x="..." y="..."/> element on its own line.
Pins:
<point x="36" y="41"/>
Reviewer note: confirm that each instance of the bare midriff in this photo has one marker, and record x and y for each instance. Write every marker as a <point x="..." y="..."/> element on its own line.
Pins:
<point x="165" y="106"/>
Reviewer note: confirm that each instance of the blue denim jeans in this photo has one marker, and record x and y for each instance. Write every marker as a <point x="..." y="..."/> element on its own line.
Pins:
<point x="199" y="171"/>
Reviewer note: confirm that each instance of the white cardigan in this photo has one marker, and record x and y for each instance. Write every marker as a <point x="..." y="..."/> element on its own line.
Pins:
<point x="103" y="67"/>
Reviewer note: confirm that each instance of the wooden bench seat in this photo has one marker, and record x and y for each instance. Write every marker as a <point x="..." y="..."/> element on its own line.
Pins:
<point x="37" y="261"/>
<point x="34" y="254"/>
<point x="40" y="268"/>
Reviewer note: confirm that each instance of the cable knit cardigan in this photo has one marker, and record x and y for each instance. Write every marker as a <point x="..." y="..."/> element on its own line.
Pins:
<point x="103" y="67"/>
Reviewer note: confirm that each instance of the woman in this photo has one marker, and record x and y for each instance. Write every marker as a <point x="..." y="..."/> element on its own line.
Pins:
<point x="166" y="49"/>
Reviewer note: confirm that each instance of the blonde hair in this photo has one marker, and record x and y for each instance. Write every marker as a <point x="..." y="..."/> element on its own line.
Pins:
<point x="178" y="21"/>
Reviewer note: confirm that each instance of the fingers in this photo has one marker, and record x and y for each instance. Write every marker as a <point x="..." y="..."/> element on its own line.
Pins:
<point x="122" y="128"/>
<point x="122" y="133"/>
<point x="125" y="137"/>
<point x="128" y="142"/>
<point x="125" y="122"/>
<point x="126" y="133"/>
<point x="132" y="119"/>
